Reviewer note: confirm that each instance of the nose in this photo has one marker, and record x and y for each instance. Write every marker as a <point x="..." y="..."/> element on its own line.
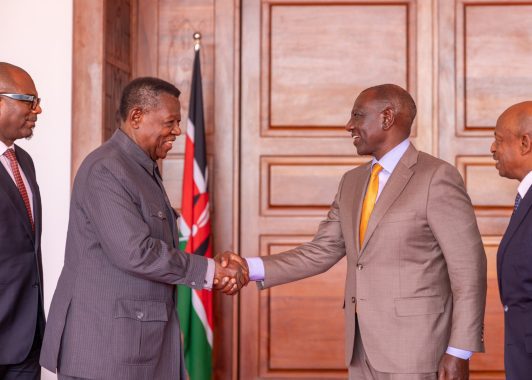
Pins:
<point x="176" y="130"/>
<point x="37" y="110"/>
<point x="492" y="148"/>
<point x="349" y="125"/>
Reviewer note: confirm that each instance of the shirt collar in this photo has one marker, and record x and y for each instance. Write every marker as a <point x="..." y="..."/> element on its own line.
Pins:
<point x="390" y="160"/>
<point x="525" y="184"/>
<point x="4" y="147"/>
<point x="134" y="151"/>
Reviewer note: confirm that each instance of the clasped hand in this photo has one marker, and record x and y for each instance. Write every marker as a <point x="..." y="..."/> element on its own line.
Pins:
<point x="231" y="273"/>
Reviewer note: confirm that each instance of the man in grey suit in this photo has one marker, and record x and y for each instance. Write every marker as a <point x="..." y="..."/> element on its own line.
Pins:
<point x="113" y="313"/>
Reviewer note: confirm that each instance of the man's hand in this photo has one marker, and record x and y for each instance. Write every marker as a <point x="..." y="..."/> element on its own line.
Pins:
<point x="453" y="368"/>
<point x="231" y="273"/>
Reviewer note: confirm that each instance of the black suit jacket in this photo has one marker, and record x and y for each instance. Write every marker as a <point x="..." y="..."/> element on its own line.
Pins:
<point x="514" y="269"/>
<point x="21" y="296"/>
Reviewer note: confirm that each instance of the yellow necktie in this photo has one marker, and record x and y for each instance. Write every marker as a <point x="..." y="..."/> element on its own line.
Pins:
<point x="369" y="200"/>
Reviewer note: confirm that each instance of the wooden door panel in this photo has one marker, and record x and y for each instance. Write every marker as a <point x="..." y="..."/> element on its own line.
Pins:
<point x="313" y="77"/>
<point x="305" y="318"/>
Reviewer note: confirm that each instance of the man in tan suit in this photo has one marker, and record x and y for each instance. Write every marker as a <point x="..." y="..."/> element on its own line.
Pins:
<point x="416" y="281"/>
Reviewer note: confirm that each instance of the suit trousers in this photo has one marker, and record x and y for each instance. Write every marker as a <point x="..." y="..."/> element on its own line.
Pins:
<point x="361" y="369"/>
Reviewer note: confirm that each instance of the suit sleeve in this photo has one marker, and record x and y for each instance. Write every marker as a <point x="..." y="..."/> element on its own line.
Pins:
<point x="312" y="258"/>
<point x="125" y="236"/>
<point x="453" y="223"/>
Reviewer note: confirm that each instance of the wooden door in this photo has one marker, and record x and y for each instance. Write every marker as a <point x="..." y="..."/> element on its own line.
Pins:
<point x="483" y="67"/>
<point x="303" y="63"/>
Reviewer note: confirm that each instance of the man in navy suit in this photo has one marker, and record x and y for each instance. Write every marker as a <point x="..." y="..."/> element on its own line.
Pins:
<point x="512" y="151"/>
<point x="21" y="296"/>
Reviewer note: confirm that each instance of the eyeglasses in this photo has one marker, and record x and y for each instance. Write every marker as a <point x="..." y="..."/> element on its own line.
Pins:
<point x="35" y="101"/>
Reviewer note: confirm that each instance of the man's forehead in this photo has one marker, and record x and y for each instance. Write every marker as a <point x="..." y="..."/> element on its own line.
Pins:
<point x="18" y="81"/>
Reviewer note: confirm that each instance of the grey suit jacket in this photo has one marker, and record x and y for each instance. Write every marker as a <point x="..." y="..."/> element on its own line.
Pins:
<point x="417" y="284"/>
<point x="113" y="313"/>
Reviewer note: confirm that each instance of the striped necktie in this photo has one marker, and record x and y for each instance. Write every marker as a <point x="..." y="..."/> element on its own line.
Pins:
<point x="517" y="201"/>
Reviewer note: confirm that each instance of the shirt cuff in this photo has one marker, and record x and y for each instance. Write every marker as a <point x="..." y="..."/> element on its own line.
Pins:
<point x="256" y="268"/>
<point x="462" y="354"/>
<point x="209" y="276"/>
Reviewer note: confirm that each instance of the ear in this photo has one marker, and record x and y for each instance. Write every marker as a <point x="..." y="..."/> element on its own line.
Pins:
<point x="135" y="117"/>
<point x="525" y="144"/>
<point x="388" y="118"/>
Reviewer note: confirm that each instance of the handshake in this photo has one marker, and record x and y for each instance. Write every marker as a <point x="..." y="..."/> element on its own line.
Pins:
<point x="231" y="273"/>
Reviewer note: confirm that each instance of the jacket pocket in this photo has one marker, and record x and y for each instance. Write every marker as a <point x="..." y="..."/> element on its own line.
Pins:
<point x="405" y="307"/>
<point x="395" y="217"/>
<point x="138" y="330"/>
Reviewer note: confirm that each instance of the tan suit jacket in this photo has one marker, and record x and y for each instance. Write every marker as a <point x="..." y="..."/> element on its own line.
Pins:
<point x="418" y="282"/>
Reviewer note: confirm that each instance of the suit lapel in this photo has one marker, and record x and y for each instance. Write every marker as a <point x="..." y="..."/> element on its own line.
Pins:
<point x="356" y="185"/>
<point x="14" y="197"/>
<point x="393" y="188"/>
<point x="515" y="221"/>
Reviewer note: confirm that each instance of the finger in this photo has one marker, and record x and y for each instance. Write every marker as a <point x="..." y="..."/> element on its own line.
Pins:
<point x="228" y="285"/>
<point x="234" y="290"/>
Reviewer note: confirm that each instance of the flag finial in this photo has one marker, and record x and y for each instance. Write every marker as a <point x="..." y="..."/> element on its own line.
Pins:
<point x="197" y="39"/>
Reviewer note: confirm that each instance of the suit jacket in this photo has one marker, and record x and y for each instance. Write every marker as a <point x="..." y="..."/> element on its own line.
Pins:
<point x="418" y="282"/>
<point x="21" y="296"/>
<point x="113" y="314"/>
<point x="514" y="269"/>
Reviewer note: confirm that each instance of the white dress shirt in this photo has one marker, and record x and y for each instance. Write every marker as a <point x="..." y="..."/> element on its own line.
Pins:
<point x="7" y="164"/>
<point x="524" y="185"/>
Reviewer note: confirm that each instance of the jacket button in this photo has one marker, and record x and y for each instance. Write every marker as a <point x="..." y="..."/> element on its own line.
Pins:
<point x="353" y="299"/>
<point x="360" y="266"/>
<point x="36" y="285"/>
<point x="140" y="314"/>
<point x="160" y="214"/>
<point x="505" y="308"/>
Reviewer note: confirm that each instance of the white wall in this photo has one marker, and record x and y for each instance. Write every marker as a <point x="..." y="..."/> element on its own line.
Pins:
<point x="37" y="36"/>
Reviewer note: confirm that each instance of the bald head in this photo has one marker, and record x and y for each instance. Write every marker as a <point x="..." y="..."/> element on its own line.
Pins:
<point x="11" y="76"/>
<point x="400" y="101"/>
<point x="518" y="118"/>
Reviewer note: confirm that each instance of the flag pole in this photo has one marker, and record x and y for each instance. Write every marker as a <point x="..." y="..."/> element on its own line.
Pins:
<point x="197" y="40"/>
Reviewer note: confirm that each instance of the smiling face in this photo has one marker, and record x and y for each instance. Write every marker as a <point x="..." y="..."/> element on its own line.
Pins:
<point x="506" y="148"/>
<point x="157" y="128"/>
<point x="366" y="126"/>
<point x="17" y="119"/>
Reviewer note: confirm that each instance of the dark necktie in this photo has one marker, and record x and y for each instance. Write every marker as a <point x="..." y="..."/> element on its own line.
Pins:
<point x="10" y="154"/>
<point x="517" y="201"/>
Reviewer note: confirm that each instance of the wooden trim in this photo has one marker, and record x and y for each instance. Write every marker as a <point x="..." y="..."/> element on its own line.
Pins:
<point x="227" y="196"/>
<point x="146" y="39"/>
<point x="87" y="79"/>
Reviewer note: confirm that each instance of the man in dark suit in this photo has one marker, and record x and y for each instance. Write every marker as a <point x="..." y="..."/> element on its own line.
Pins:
<point x="512" y="151"/>
<point x="113" y="314"/>
<point x="21" y="297"/>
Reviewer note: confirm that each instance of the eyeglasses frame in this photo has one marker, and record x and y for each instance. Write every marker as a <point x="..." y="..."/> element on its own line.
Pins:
<point x="35" y="101"/>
